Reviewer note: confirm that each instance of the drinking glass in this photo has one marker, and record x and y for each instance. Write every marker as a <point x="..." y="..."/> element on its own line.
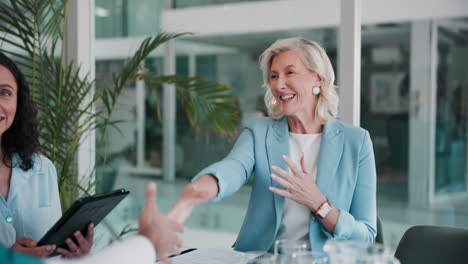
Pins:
<point x="288" y="247"/>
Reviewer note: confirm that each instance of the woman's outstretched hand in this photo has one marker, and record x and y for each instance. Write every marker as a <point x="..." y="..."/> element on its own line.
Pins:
<point x="201" y="190"/>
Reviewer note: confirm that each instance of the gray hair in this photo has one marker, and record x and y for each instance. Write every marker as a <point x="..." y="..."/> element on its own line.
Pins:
<point x="315" y="59"/>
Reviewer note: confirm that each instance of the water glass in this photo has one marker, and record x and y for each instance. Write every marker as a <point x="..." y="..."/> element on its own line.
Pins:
<point x="288" y="247"/>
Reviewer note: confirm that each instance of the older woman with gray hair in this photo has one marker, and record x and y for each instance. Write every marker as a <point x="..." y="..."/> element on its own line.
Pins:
<point x="314" y="176"/>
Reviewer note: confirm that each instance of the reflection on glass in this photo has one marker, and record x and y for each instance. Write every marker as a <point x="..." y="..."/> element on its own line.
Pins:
<point x="385" y="104"/>
<point x="452" y="109"/>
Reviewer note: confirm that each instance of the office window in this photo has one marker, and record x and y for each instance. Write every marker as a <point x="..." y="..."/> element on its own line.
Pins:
<point x="125" y="18"/>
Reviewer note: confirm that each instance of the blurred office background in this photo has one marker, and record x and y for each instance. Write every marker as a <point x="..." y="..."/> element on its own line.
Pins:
<point x="413" y="101"/>
<point x="421" y="158"/>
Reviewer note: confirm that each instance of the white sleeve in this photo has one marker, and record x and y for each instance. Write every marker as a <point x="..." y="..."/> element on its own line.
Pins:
<point x="135" y="249"/>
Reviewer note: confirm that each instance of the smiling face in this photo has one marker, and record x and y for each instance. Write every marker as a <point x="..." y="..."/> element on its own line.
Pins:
<point x="8" y="99"/>
<point x="291" y="83"/>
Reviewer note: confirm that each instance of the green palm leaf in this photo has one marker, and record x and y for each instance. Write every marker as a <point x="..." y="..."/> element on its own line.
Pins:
<point x="206" y="103"/>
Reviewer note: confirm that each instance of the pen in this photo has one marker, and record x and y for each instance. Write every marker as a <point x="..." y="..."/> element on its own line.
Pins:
<point x="183" y="252"/>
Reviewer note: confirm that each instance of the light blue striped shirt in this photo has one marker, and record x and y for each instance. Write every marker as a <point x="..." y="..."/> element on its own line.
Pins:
<point x="33" y="204"/>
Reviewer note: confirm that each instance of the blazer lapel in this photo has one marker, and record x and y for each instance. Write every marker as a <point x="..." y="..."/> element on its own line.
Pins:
<point x="331" y="149"/>
<point x="277" y="140"/>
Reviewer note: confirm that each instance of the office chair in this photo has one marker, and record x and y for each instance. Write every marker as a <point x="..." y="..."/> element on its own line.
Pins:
<point x="433" y="245"/>
<point x="379" y="238"/>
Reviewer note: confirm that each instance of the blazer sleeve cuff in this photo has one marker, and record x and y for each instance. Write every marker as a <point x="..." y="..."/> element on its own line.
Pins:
<point x="343" y="228"/>
<point x="221" y="182"/>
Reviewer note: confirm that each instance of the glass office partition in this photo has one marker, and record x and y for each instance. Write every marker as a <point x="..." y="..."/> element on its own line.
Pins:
<point x="385" y="93"/>
<point x="452" y="107"/>
<point x="117" y="145"/>
<point x="116" y="153"/>
<point x="385" y="105"/>
<point x="386" y="101"/>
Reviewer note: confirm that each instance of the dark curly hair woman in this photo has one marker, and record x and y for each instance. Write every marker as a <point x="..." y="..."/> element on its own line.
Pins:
<point x="29" y="198"/>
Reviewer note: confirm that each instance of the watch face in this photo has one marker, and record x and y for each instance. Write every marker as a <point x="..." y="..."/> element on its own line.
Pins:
<point x="324" y="210"/>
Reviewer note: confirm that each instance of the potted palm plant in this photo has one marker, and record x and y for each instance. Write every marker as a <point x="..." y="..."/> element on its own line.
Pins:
<point x="32" y="32"/>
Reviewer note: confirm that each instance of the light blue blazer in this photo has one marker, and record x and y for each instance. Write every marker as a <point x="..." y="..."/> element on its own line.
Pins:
<point x="345" y="175"/>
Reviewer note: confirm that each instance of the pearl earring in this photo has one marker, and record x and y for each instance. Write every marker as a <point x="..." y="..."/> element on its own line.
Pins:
<point x="316" y="90"/>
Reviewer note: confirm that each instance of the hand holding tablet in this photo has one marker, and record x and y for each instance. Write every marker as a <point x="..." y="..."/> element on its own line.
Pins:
<point x="78" y="217"/>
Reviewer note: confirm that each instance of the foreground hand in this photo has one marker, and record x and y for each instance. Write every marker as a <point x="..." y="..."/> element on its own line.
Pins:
<point x="28" y="246"/>
<point x="158" y="228"/>
<point x="84" y="244"/>
<point x="300" y="185"/>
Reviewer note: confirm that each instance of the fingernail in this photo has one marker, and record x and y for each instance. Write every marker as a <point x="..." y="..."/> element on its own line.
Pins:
<point x="49" y="247"/>
<point x="272" y="175"/>
<point x="92" y="225"/>
<point x="77" y="233"/>
<point x="271" y="188"/>
<point x="285" y="157"/>
<point x="273" y="167"/>
<point x="54" y="247"/>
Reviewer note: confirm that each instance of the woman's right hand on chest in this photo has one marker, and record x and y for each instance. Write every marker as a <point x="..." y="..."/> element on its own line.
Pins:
<point x="28" y="246"/>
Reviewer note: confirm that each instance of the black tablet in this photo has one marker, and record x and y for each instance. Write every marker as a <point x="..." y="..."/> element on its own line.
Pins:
<point x="79" y="215"/>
